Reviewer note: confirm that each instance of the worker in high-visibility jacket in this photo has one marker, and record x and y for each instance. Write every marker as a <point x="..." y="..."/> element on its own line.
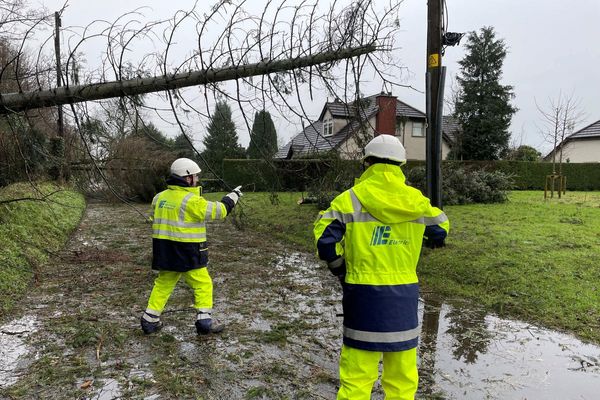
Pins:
<point x="179" y="244"/>
<point x="371" y="238"/>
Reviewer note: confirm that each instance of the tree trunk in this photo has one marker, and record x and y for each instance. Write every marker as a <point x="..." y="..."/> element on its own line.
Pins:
<point x="15" y="102"/>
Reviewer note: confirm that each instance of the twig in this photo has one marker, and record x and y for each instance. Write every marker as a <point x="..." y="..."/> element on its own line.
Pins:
<point x="43" y="198"/>
<point x="99" y="347"/>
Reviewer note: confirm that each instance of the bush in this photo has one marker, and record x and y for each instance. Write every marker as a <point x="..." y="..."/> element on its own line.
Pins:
<point x="465" y="186"/>
<point x="138" y="168"/>
<point x="328" y="174"/>
<point x="339" y="176"/>
<point x="23" y="150"/>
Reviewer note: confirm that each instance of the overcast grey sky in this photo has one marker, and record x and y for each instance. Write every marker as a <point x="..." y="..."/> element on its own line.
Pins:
<point x="553" y="47"/>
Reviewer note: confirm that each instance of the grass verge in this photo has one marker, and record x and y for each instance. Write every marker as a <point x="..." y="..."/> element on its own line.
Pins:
<point x="530" y="258"/>
<point x="30" y="230"/>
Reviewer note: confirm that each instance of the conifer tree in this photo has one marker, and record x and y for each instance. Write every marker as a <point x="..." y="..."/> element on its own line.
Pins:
<point x="183" y="147"/>
<point x="483" y="104"/>
<point x="221" y="140"/>
<point x="263" y="140"/>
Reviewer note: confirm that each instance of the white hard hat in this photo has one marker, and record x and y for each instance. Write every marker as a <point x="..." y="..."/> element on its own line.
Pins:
<point x="184" y="167"/>
<point x="387" y="147"/>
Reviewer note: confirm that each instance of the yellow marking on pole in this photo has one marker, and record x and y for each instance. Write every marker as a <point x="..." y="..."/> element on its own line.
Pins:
<point x="433" y="61"/>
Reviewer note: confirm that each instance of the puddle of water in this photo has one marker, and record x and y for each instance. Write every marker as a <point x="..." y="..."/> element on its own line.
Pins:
<point x="301" y="269"/>
<point x="467" y="354"/>
<point x="187" y="348"/>
<point x="259" y="324"/>
<point x="13" y="347"/>
<point x="317" y="297"/>
<point x="111" y="389"/>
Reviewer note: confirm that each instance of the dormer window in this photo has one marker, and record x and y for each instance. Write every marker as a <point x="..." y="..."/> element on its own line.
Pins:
<point x="327" y="126"/>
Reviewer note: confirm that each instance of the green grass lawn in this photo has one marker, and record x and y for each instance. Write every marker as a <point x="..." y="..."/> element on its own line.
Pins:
<point x="30" y="231"/>
<point x="530" y="258"/>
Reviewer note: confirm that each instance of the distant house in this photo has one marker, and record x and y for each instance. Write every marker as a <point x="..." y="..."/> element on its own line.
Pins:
<point x="342" y="127"/>
<point x="581" y="146"/>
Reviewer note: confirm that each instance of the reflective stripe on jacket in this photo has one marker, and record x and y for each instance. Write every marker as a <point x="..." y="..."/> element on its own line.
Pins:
<point x="378" y="227"/>
<point x="179" y="230"/>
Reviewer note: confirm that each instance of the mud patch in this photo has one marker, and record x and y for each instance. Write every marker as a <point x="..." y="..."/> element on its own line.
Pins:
<point x="98" y="255"/>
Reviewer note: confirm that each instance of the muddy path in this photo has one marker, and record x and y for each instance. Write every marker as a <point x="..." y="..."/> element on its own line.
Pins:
<point x="77" y="333"/>
<point x="279" y="307"/>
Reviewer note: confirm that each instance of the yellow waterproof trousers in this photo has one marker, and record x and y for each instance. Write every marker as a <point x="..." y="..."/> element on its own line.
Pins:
<point x="198" y="279"/>
<point x="359" y="369"/>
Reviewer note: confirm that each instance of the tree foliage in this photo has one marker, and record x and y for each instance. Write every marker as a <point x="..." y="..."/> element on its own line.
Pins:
<point x="483" y="105"/>
<point x="263" y="138"/>
<point x="183" y="148"/>
<point x="221" y="140"/>
<point x="25" y="149"/>
<point x="137" y="168"/>
<point x="523" y="153"/>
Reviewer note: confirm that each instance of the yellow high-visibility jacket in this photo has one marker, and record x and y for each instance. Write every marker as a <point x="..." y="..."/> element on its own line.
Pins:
<point x="178" y="226"/>
<point x="378" y="227"/>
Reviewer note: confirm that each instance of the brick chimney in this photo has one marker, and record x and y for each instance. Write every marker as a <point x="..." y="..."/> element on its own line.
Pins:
<point x="386" y="116"/>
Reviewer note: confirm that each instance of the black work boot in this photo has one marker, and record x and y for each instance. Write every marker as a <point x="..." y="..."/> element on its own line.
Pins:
<point x="150" y="323"/>
<point x="205" y="325"/>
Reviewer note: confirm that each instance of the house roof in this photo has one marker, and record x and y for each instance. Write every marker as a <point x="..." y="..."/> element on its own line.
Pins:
<point x="406" y="110"/>
<point x="310" y="139"/>
<point x="339" y="109"/>
<point x="592" y="131"/>
<point x="450" y="127"/>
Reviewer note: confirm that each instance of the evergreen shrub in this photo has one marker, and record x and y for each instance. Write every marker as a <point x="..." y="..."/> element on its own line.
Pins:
<point x="462" y="185"/>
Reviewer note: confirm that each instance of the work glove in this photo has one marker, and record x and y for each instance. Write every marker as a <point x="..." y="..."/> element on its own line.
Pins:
<point x="337" y="267"/>
<point x="434" y="243"/>
<point x="235" y="194"/>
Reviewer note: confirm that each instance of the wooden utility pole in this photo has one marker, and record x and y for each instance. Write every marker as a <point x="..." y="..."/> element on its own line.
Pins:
<point x="61" y="129"/>
<point x="434" y="87"/>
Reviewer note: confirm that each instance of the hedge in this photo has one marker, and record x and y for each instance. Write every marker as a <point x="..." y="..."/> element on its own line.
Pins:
<point x="283" y="175"/>
<point x="532" y="175"/>
<point x="299" y="175"/>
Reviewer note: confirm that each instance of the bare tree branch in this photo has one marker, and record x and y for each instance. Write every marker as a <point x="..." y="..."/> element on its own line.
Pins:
<point x="15" y="102"/>
<point x="560" y="117"/>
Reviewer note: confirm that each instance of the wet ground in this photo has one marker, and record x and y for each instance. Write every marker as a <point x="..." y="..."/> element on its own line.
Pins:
<point x="77" y="334"/>
<point x="467" y="354"/>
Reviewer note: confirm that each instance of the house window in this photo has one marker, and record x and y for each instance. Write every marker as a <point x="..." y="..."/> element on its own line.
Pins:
<point x="327" y="127"/>
<point x="418" y="129"/>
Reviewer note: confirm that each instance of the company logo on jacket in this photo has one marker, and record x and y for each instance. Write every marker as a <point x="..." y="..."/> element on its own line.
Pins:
<point x="166" y="204"/>
<point x="381" y="237"/>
